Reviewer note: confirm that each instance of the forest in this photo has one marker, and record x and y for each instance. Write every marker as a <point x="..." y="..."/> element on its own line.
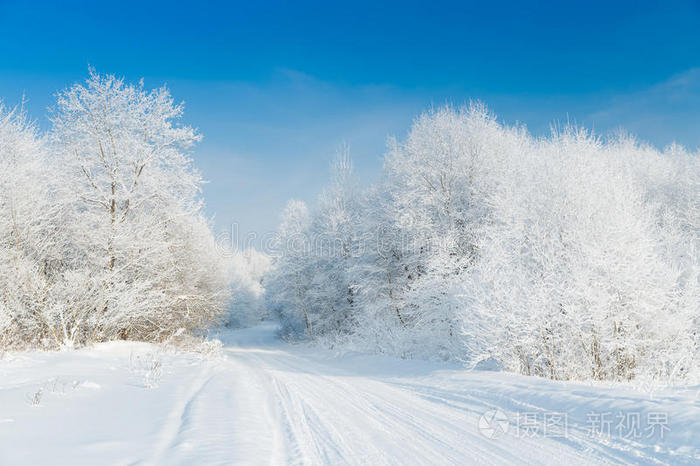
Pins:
<point x="566" y="256"/>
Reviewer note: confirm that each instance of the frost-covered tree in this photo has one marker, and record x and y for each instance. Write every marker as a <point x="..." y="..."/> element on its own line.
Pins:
<point x="380" y="277"/>
<point x="141" y="247"/>
<point x="289" y="282"/>
<point x="334" y="246"/>
<point x="101" y="230"/>
<point x="26" y="215"/>
<point x="438" y="182"/>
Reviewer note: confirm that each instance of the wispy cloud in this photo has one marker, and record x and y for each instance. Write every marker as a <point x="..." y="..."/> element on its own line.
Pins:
<point x="663" y="113"/>
<point x="269" y="141"/>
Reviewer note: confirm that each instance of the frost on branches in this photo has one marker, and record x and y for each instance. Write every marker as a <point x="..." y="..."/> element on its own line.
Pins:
<point x="569" y="257"/>
<point x="101" y="231"/>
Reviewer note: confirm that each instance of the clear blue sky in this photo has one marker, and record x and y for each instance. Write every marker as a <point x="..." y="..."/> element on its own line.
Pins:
<point x="276" y="87"/>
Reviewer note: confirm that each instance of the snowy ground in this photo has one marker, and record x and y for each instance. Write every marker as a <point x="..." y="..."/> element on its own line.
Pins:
<point x="267" y="402"/>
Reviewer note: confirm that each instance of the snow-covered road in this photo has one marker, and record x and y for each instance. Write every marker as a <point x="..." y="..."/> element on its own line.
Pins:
<point x="267" y="402"/>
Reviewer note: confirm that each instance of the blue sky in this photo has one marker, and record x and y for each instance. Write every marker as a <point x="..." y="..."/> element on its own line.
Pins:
<point x="276" y="87"/>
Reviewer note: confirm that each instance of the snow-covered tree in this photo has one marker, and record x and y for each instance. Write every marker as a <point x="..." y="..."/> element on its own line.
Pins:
<point x="334" y="246"/>
<point x="289" y="282"/>
<point x="101" y="230"/>
<point x="138" y="230"/>
<point x="25" y="236"/>
<point x="439" y="181"/>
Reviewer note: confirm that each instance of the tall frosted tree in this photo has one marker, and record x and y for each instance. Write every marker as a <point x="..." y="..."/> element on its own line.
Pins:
<point x="334" y="239"/>
<point x="141" y="243"/>
<point x="26" y="239"/>
<point x="288" y="292"/>
<point x="438" y="183"/>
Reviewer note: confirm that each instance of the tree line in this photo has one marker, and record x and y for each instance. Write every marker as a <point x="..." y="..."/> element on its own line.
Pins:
<point x="569" y="256"/>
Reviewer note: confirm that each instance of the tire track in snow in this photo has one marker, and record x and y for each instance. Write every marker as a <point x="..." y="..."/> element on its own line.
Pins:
<point x="178" y="417"/>
<point x="228" y="418"/>
<point x="337" y="419"/>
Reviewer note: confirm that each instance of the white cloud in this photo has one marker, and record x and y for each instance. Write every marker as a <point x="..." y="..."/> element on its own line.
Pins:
<point x="666" y="112"/>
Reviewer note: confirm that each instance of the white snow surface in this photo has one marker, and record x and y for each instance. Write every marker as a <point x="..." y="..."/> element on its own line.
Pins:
<point x="270" y="402"/>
